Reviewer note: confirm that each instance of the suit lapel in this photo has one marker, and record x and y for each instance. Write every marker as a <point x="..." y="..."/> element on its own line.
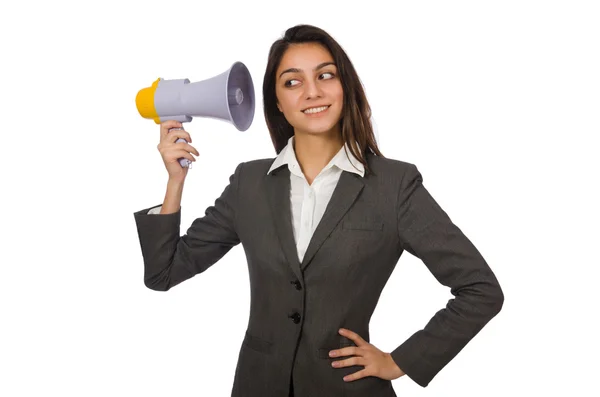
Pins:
<point x="278" y="193"/>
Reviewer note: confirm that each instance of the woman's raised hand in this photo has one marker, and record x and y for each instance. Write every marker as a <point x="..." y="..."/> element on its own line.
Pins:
<point x="171" y="151"/>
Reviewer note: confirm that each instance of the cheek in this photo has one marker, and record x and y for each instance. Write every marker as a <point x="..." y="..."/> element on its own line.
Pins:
<point x="283" y="102"/>
<point x="337" y="93"/>
<point x="286" y="109"/>
<point x="339" y="99"/>
<point x="280" y="99"/>
<point x="340" y="94"/>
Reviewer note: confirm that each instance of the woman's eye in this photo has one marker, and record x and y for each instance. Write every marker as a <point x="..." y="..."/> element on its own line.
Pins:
<point x="323" y="76"/>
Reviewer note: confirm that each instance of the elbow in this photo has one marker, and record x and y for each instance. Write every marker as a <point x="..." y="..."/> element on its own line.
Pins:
<point x="500" y="299"/>
<point x="156" y="284"/>
<point x="496" y="299"/>
<point x="489" y="299"/>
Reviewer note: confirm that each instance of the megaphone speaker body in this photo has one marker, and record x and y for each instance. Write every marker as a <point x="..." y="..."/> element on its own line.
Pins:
<point x="228" y="96"/>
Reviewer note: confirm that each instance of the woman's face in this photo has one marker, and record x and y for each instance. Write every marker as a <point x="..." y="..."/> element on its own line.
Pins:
<point x="308" y="89"/>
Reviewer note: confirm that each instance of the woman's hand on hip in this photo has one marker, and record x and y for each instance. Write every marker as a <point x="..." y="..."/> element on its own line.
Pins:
<point x="376" y="362"/>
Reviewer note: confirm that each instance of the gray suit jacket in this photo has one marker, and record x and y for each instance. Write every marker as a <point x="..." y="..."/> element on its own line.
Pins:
<point x="297" y="308"/>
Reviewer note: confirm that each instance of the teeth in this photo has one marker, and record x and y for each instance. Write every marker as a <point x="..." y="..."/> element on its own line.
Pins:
<point x="316" y="110"/>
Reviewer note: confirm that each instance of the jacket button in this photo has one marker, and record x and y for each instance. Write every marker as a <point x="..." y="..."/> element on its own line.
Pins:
<point x="295" y="317"/>
<point x="297" y="284"/>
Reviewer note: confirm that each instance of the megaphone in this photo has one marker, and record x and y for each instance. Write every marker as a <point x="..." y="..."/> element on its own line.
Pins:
<point x="228" y="96"/>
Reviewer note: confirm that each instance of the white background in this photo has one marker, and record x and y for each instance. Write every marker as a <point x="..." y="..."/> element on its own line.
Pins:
<point x="497" y="103"/>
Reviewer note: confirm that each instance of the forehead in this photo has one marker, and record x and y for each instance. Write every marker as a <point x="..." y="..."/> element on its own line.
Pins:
<point x="305" y="56"/>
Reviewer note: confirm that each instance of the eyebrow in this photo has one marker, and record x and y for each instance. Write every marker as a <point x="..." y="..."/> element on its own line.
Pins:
<point x="296" y="70"/>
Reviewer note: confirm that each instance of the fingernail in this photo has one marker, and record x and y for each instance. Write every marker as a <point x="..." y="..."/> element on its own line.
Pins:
<point x="332" y="353"/>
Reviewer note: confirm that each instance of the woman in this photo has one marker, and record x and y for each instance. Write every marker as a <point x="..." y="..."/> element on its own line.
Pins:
<point x="335" y="217"/>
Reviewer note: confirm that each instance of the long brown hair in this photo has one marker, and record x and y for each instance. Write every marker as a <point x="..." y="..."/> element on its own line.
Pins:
<point x="355" y="121"/>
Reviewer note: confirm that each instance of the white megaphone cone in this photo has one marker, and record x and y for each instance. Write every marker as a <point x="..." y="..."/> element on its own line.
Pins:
<point x="228" y="96"/>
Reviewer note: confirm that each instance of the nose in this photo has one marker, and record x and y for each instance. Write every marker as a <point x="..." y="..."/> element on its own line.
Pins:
<point x="312" y="89"/>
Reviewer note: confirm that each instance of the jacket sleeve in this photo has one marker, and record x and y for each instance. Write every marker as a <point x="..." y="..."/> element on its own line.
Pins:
<point x="427" y="232"/>
<point x="170" y="258"/>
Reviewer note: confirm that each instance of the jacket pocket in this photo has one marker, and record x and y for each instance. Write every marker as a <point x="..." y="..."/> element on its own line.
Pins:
<point x="258" y="344"/>
<point x="362" y="225"/>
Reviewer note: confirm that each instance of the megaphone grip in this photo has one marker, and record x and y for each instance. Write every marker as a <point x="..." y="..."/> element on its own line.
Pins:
<point x="182" y="161"/>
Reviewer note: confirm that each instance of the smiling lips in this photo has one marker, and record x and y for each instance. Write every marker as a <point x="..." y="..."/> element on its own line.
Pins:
<point x="316" y="110"/>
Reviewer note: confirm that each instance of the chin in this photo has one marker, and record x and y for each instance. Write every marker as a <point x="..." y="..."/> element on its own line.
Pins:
<point x="323" y="126"/>
<point x="317" y="130"/>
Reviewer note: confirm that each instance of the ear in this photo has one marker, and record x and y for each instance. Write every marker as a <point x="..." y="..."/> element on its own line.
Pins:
<point x="279" y="107"/>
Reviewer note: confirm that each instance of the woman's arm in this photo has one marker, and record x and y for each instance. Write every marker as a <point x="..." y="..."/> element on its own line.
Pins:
<point x="427" y="232"/>
<point x="169" y="258"/>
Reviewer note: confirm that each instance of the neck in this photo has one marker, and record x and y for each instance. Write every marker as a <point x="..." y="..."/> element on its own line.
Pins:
<point x="314" y="152"/>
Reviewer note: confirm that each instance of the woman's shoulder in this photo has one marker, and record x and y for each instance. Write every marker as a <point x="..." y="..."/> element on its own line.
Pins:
<point x="388" y="164"/>
<point x="257" y="166"/>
